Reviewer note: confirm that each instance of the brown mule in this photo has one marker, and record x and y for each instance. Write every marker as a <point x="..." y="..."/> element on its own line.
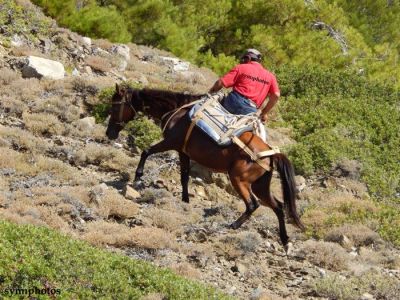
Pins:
<point x="250" y="180"/>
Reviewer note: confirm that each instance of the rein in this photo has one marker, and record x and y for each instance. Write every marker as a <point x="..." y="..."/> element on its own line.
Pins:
<point x="121" y="109"/>
<point x="175" y="111"/>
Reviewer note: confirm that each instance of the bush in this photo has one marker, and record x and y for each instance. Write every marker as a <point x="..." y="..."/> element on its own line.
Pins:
<point x="143" y="131"/>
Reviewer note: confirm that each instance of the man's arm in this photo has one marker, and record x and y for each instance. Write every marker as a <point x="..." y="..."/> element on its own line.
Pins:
<point x="273" y="98"/>
<point x="216" y="87"/>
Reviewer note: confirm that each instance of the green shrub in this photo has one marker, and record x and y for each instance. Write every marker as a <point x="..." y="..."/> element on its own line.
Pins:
<point x="143" y="132"/>
<point x="39" y="257"/>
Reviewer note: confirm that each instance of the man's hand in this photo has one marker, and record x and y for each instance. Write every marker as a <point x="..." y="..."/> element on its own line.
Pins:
<point x="264" y="118"/>
<point x="216" y="87"/>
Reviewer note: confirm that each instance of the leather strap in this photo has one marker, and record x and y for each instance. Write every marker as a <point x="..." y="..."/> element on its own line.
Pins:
<point x="254" y="157"/>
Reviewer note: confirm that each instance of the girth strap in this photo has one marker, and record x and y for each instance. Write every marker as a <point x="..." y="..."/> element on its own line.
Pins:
<point x="256" y="157"/>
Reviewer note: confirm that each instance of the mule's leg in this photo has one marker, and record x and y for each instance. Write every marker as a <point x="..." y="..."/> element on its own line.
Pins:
<point x="185" y="169"/>
<point x="162" y="146"/>
<point x="261" y="188"/>
<point x="243" y="188"/>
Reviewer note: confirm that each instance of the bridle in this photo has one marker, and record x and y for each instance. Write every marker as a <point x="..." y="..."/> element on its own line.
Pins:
<point x="126" y="100"/>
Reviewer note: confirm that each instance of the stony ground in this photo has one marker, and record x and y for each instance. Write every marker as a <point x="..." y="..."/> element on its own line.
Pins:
<point x="59" y="170"/>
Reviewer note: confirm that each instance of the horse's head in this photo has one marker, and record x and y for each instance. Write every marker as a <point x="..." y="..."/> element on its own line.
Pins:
<point x="122" y="111"/>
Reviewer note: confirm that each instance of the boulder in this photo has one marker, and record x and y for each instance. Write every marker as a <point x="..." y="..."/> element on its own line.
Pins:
<point x="130" y="193"/>
<point x="87" y="41"/>
<point x="42" y="68"/>
<point x="86" y="123"/>
<point x="122" y="50"/>
<point x="177" y="64"/>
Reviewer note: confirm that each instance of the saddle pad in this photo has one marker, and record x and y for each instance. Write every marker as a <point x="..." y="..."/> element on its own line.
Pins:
<point x="216" y="121"/>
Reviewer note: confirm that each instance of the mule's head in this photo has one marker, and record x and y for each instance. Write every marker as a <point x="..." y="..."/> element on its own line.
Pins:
<point x="122" y="111"/>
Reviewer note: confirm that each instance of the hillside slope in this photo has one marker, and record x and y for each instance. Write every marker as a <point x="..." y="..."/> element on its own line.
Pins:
<point x="58" y="170"/>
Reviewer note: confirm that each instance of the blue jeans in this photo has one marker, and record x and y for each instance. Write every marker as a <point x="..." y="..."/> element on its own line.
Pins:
<point x="238" y="105"/>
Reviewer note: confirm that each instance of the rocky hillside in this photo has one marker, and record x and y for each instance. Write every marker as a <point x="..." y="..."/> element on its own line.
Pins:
<point x="59" y="170"/>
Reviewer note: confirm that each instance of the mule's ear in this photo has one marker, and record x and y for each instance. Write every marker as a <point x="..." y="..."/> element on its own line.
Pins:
<point x="117" y="88"/>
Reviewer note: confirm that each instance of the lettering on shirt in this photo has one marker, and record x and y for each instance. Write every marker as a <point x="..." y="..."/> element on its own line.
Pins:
<point x="255" y="78"/>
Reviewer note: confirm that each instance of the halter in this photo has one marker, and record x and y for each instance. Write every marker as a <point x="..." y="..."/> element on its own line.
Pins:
<point x="123" y="102"/>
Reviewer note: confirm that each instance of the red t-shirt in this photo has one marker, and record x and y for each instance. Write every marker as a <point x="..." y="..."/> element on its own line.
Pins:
<point x="252" y="81"/>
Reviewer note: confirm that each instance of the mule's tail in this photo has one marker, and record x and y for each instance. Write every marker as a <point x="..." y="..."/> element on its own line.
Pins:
<point x="286" y="173"/>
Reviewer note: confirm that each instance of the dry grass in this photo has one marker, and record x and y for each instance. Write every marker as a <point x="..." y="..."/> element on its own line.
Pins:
<point x="113" y="205"/>
<point x="26" y="51"/>
<point x="8" y="76"/>
<point x="25" y="90"/>
<point x="107" y="158"/>
<point x="359" y="235"/>
<point x="59" y="106"/>
<point x="234" y="245"/>
<point x="326" y="255"/>
<point x="154" y="296"/>
<point x="23" y="140"/>
<point x="103" y="44"/>
<point x="186" y="270"/>
<point x="42" y="124"/>
<point x="106" y="233"/>
<point x="34" y="164"/>
<point x="170" y="221"/>
<point x="98" y="63"/>
<point x="12" y="106"/>
<point x="351" y="288"/>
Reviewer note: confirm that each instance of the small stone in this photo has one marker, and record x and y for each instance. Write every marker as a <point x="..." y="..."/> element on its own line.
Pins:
<point x="75" y="72"/>
<point x="322" y="272"/>
<point x="367" y="296"/>
<point x="239" y="268"/>
<point x="345" y="242"/>
<point x="87" y="41"/>
<point x="353" y="253"/>
<point x="130" y="193"/>
<point x="97" y="192"/>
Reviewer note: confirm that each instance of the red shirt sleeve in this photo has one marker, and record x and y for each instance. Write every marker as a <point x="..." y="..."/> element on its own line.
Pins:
<point x="229" y="79"/>
<point x="274" y="88"/>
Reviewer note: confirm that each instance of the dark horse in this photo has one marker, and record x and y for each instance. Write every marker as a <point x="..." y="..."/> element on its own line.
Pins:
<point x="250" y="180"/>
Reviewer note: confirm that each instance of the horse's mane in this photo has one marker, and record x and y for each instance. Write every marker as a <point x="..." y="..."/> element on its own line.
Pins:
<point x="176" y="99"/>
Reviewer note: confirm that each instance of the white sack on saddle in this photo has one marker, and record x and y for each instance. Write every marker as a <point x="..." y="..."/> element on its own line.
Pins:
<point x="212" y="118"/>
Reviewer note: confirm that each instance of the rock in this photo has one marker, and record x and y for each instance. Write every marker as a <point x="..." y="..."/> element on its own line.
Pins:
<point x="17" y="41"/>
<point x="122" y="50"/>
<point x="345" y="242"/>
<point x="289" y="249"/>
<point x="197" y="170"/>
<point x="97" y="192"/>
<point x="87" y="41"/>
<point x="46" y="45"/>
<point x="85" y="123"/>
<point x="130" y="193"/>
<point x="322" y="272"/>
<point x="75" y="72"/>
<point x="177" y="64"/>
<point x="367" y="296"/>
<point x="122" y="66"/>
<point x="88" y="70"/>
<point x="353" y="253"/>
<point x="300" y="183"/>
<point x="239" y="268"/>
<point x="260" y="294"/>
<point x="200" y="191"/>
<point x="38" y="67"/>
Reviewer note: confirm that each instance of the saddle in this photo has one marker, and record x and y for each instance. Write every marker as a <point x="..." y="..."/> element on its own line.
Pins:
<point x="219" y="124"/>
<point x="225" y="128"/>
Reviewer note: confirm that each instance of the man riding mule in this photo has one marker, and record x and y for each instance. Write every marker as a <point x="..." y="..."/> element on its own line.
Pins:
<point x="248" y="177"/>
<point x="251" y="84"/>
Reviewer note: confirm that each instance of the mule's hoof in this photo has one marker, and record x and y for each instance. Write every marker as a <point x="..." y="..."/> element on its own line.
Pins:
<point x="288" y="248"/>
<point x="186" y="200"/>
<point x="138" y="184"/>
<point x="234" y="226"/>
